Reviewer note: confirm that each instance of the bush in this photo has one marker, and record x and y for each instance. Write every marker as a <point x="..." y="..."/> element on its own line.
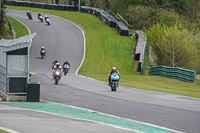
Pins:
<point x="141" y="16"/>
<point x="174" y="46"/>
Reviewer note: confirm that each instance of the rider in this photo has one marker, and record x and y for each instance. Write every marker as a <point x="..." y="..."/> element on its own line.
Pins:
<point x="39" y="14"/>
<point x="114" y="70"/>
<point x="43" y="49"/>
<point x="55" y="68"/>
<point x="54" y="64"/>
<point x="46" y="17"/>
<point x="28" y="13"/>
<point x="66" y="63"/>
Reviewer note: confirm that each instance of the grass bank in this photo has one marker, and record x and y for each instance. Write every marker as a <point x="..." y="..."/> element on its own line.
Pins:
<point x="7" y="33"/>
<point x="2" y="131"/>
<point x="19" y="28"/>
<point x="105" y="48"/>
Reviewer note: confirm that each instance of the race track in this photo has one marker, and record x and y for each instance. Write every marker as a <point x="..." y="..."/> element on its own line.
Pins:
<point x="64" y="41"/>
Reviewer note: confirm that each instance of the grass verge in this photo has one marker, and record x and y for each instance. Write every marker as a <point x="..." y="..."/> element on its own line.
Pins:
<point x="105" y="48"/>
<point x="2" y="131"/>
<point x="7" y="33"/>
<point x="20" y="29"/>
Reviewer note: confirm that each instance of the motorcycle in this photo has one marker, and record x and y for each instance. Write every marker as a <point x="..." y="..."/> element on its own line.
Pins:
<point x="66" y="68"/>
<point x="43" y="53"/>
<point x="40" y="18"/>
<point x="47" y="20"/>
<point x="114" y="79"/>
<point x="29" y="15"/>
<point x="57" y="75"/>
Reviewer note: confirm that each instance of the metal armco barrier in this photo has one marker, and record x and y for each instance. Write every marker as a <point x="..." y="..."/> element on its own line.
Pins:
<point x="174" y="72"/>
<point x="42" y="5"/>
<point x="108" y="19"/>
<point x="141" y="42"/>
<point x="103" y="15"/>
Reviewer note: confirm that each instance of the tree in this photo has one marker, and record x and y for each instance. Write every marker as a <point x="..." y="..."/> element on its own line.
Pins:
<point x="177" y="48"/>
<point x="174" y="46"/>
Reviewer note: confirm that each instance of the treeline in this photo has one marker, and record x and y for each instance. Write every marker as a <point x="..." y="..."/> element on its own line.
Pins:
<point x="172" y="27"/>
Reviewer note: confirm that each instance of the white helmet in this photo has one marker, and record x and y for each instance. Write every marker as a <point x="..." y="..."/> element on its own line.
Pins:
<point x="42" y="46"/>
<point x="46" y="16"/>
<point x="113" y="68"/>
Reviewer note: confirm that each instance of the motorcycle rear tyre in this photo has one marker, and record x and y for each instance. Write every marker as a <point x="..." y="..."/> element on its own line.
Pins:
<point x="56" y="82"/>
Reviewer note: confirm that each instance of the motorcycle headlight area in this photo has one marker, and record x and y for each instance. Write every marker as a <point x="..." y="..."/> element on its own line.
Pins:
<point x="57" y="73"/>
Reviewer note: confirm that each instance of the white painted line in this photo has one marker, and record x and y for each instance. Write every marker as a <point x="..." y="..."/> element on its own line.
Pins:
<point x="23" y="24"/>
<point x="8" y="130"/>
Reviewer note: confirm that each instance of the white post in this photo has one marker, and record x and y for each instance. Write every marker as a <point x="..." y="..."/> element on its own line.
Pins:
<point x="79" y="5"/>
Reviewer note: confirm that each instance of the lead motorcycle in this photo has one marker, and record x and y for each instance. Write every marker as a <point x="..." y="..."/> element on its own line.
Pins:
<point x="114" y="80"/>
<point x="57" y="74"/>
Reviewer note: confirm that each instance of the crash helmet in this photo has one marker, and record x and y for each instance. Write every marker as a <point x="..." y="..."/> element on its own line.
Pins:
<point x="43" y="47"/>
<point x="113" y="68"/>
<point x="46" y="16"/>
<point x="57" y="64"/>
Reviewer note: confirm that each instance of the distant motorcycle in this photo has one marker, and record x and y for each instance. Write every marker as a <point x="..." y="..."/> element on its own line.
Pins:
<point x="66" y="68"/>
<point x="57" y="75"/>
<point x="43" y="53"/>
<point x="40" y="17"/>
<point x="29" y="15"/>
<point x="47" y="20"/>
<point x="114" y="79"/>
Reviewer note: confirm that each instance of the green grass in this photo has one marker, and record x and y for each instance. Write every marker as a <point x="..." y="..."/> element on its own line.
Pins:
<point x="198" y="78"/>
<point x="2" y="131"/>
<point x="7" y="33"/>
<point x="105" y="48"/>
<point x="20" y="29"/>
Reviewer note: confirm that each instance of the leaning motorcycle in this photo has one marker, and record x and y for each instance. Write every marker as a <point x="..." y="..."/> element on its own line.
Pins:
<point x="29" y="15"/>
<point x="41" y="18"/>
<point x="57" y="75"/>
<point x="43" y="53"/>
<point x="47" y="20"/>
<point x="66" y="68"/>
<point x="114" y="79"/>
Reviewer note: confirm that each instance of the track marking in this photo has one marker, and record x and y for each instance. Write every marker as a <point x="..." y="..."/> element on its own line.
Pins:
<point x="90" y="115"/>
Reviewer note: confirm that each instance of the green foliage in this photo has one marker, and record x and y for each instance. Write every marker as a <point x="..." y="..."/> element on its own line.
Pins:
<point x="19" y="28"/>
<point x="171" y="18"/>
<point x="6" y="32"/>
<point x="174" y="46"/>
<point x="141" y="16"/>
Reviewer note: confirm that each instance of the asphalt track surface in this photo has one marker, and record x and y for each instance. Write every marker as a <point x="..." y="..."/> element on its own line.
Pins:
<point x="64" y="41"/>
